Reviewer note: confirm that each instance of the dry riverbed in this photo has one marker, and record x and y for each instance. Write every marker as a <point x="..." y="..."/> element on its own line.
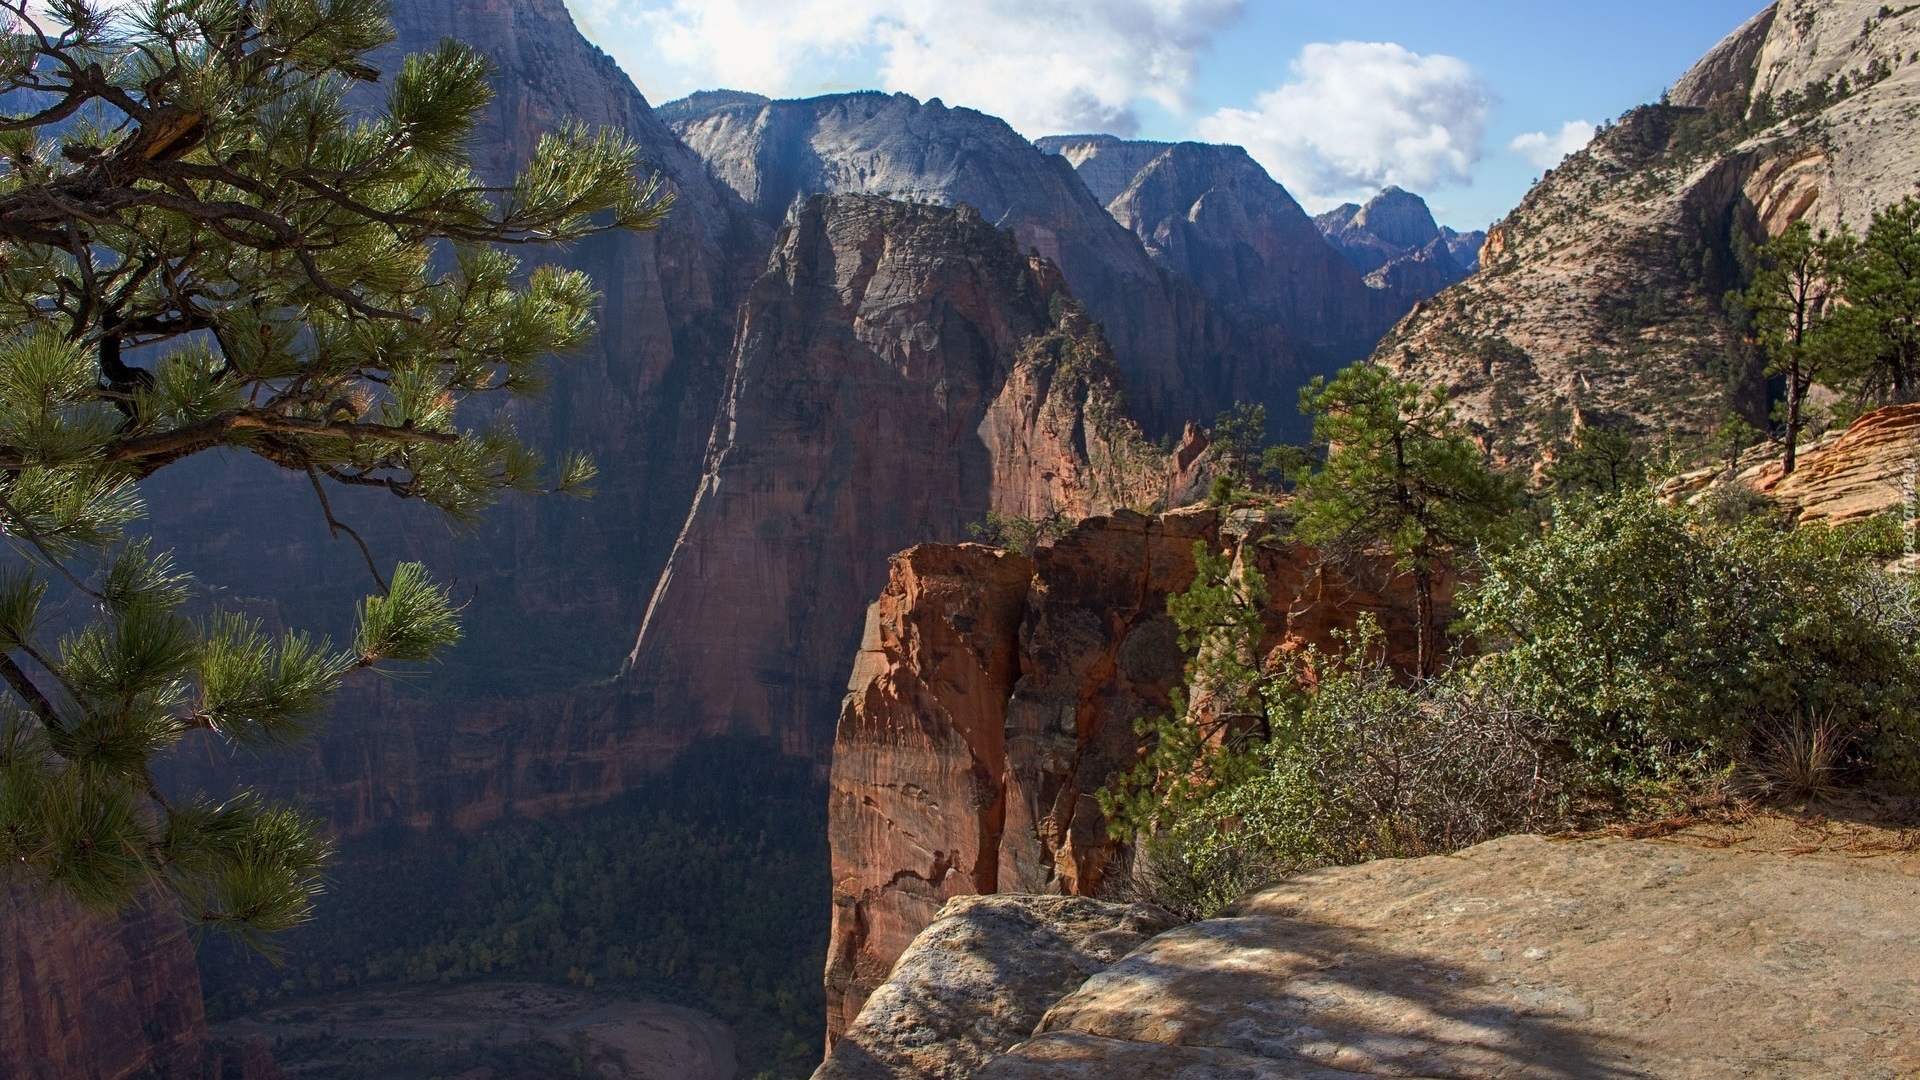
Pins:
<point x="489" y="1031"/>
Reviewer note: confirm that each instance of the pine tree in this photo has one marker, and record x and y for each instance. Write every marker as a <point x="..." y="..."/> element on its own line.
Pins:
<point x="1403" y="475"/>
<point x="1878" y="328"/>
<point x="220" y="228"/>
<point x="1790" y="301"/>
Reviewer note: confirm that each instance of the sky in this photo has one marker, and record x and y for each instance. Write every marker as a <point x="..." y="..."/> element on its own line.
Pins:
<point x="1465" y="101"/>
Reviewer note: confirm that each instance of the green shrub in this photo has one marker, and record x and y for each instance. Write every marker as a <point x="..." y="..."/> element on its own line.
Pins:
<point x="1658" y="642"/>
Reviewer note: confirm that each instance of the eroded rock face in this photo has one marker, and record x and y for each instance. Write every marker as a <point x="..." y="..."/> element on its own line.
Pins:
<point x="1873" y="467"/>
<point x="777" y="154"/>
<point x="1396" y="227"/>
<point x="1212" y="216"/>
<point x="1603" y="292"/>
<point x="901" y="371"/>
<point x="1523" y="957"/>
<point x="984" y="714"/>
<point x="89" y="997"/>
<point x="977" y="980"/>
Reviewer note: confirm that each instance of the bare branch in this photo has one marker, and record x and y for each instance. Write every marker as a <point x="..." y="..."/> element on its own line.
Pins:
<point x="336" y="527"/>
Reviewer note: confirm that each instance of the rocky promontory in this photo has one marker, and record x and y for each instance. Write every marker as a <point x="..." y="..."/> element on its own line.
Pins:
<point x="1711" y="954"/>
<point x="995" y="693"/>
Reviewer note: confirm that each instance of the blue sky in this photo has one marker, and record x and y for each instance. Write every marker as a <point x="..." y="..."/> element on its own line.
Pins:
<point x="1336" y="99"/>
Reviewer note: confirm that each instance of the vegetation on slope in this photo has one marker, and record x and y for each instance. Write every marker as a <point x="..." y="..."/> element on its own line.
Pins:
<point x="1614" y="653"/>
<point x="707" y="887"/>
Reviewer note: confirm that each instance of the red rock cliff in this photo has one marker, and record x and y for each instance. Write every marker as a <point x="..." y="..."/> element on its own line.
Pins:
<point x="900" y="371"/>
<point x="994" y="694"/>
<point x="87" y="997"/>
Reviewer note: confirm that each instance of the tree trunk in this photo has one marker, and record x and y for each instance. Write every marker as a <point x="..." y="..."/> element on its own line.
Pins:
<point x="1423" y="615"/>
<point x="1796" y="393"/>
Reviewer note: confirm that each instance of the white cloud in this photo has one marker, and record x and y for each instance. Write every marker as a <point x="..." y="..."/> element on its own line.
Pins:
<point x="1046" y="66"/>
<point x="1358" y="116"/>
<point x="1546" y="150"/>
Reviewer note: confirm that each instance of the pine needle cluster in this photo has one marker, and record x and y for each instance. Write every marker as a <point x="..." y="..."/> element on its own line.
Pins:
<point x="222" y="228"/>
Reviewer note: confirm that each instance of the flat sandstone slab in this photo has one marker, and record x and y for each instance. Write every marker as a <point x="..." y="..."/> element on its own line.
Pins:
<point x="1519" y="958"/>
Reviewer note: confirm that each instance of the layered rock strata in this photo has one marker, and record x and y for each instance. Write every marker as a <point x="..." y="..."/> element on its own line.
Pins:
<point x="977" y="980"/>
<point x="1871" y="468"/>
<point x="1523" y="957"/>
<point x="994" y="694"/>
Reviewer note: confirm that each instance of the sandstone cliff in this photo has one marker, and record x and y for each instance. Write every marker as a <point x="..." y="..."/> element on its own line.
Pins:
<point x="1873" y="467"/>
<point x="994" y="694"/>
<point x="901" y="371"/>
<point x="1602" y="291"/>
<point x="1212" y="216"/>
<point x="87" y="997"/>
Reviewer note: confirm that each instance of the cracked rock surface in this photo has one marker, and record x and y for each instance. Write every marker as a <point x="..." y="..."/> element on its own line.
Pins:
<point x="1523" y="957"/>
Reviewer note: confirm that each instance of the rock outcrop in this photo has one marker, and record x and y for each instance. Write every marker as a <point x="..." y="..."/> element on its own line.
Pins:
<point x="902" y="370"/>
<point x="977" y="980"/>
<point x="1523" y="957"/>
<point x="1873" y="467"/>
<point x="90" y="997"/>
<point x="1212" y="216"/>
<point x="1603" y="292"/>
<point x="995" y="694"/>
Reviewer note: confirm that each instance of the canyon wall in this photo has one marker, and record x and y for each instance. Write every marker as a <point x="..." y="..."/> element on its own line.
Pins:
<point x="901" y="371"/>
<point x="93" y="997"/>
<point x="995" y="693"/>
<point x="1210" y="215"/>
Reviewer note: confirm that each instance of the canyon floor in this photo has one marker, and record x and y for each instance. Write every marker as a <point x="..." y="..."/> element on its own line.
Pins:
<point x="490" y="1031"/>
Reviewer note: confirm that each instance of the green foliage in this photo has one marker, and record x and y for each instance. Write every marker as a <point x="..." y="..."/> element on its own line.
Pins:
<point x="1025" y="535"/>
<point x="1247" y="463"/>
<point x="207" y="243"/>
<point x="1790" y="304"/>
<point x="1205" y="743"/>
<point x="684" y="889"/>
<point x="1877" y="330"/>
<point x="1596" y="461"/>
<point x="1654" y="641"/>
<point x="1634" y="644"/>
<point x="1401" y="474"/>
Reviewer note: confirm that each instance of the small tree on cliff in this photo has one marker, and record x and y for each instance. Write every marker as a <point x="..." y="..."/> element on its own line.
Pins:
<point x="1401" y="474"/>
<point x="204" y="245"/>
<point x="1790" y="300"/>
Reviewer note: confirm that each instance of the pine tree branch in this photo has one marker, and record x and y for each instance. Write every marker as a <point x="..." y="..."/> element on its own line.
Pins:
<point x="336" y="526"/>
<point x="164" y="446"/>
<point x="35" y="699"/>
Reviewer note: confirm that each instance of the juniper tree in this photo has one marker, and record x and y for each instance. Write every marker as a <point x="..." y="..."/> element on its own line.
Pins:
<point x="1403" y="475"/>
<point x="221" y="228"/>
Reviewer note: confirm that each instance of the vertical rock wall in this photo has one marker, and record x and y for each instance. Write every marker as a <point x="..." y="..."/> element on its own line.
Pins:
<point x="995" y="694"/>
<point x="91" y="997"/>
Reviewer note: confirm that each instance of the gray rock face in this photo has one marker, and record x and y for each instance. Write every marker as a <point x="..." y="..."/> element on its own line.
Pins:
<point x="1724" y="70"/>
<point x="1211" y="215"/>
<point x="978" y="979"/>
<point x="1519" y="958"/>
<point x="1465" y="247"/>
<point x="775" y="154"/>
<point x="1392" y="225"/>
